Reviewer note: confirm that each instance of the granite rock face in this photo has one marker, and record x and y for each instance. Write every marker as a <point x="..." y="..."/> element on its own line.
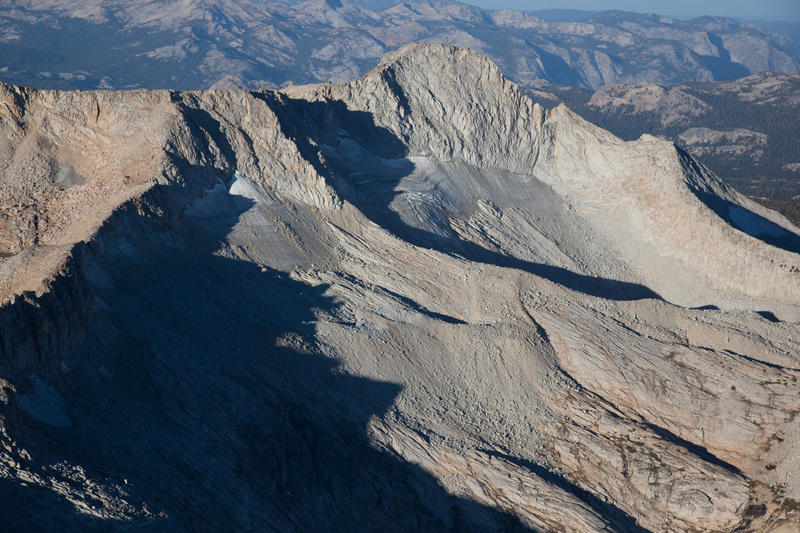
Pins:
<point x="416" y="301"/>
<point x="743" y="129"/>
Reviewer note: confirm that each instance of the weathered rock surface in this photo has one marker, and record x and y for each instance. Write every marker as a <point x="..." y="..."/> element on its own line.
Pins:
<point x="670" y="105"/>
<point x="744" y="129"/>
<point x="737" y="143"/>
<point x="416" y="301"/>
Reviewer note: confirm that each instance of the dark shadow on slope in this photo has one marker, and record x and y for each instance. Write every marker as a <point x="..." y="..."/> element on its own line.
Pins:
<point x="740" y="218"/>
<point x="760" y="362"/>
<point x="26" y="508"/>
<point x="615" y="516"/>
<point x="422" y="309"/>
<point x="558" y="71"/>
<point x="696" y="449"/>
<point x="709" y="307"/>
<point x="748" y="222"/>
<point x="769" y="315"/>
<point x="204" y="127"/>
<point x="204" y="388"/>
<point x="723" y="68"/>
<point x="312" y="124"/>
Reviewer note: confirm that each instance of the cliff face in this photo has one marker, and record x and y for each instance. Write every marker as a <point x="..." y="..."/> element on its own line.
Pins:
<point x="412" y="301"/>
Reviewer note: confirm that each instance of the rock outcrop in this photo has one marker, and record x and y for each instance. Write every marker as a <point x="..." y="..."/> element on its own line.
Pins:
<point x="416" y="301"/>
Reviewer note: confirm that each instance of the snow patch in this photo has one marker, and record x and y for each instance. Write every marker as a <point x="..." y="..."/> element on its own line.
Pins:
<point x="218" y="201"/>
<point x="242" y="186"/>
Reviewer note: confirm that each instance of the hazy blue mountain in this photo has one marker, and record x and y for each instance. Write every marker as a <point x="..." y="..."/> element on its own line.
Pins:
<point x="563" y="15"/>
<point x="198" y="44"/>
<point x="787" y="28"/>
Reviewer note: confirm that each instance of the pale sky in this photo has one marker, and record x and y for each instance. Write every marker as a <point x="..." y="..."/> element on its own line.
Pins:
<point x="752" y="9"/>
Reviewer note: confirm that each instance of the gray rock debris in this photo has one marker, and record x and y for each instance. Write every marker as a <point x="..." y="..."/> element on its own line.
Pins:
<point x="415" y="301"/>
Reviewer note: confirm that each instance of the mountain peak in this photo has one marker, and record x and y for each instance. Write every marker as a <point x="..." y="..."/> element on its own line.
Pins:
<point x="418" y="252"/>
<point x="433" y="55"/>
<point x="446" y="102"/>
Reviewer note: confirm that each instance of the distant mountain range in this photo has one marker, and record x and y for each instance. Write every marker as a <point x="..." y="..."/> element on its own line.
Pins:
<point x="196" y="44"/>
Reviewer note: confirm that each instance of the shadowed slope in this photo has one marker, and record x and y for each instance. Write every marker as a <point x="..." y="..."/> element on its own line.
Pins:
<point x="312" y="124"/>
<point x="224" y="414"/>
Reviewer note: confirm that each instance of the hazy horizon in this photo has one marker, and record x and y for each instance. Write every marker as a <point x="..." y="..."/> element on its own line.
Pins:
<point x="773" y="10"/>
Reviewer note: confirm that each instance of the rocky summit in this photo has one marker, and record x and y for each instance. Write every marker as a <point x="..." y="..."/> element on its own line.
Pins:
<point x="413" y="302"/>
